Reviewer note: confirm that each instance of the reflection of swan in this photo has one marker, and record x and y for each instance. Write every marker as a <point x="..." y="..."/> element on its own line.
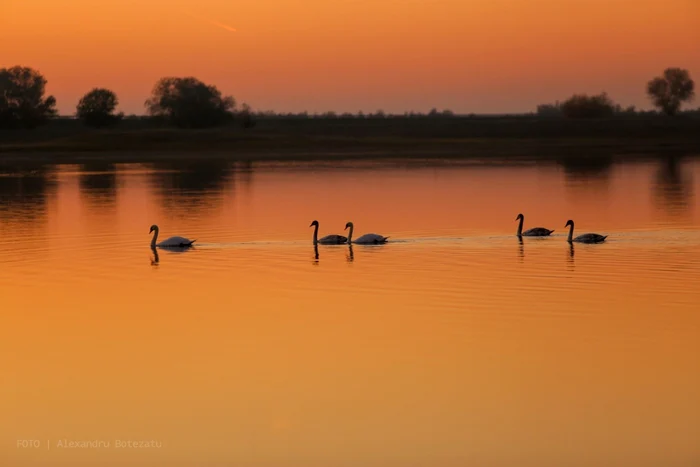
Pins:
<point x="534" y="232"/>
<point x="366" y="239"/>
<point x="521" y="248"/>
<point x="328" y="239"/>
<point x="585" y="238"/>
<point x="155" y="260"/>
<point x="315" y="253"/>
<point x="172" y="242"/>
<point x="351" y="256"/>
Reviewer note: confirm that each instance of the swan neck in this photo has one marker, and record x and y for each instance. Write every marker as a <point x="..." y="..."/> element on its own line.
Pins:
<point x="155" y="238"/>
<point x="350" y="234"/>
<point x="571" y="232"/>
<point x="315" y="233"/>
<point x="520" y="226"/>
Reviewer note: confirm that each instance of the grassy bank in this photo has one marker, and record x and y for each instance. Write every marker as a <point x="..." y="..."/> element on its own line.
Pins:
<point x="296" y="138"/>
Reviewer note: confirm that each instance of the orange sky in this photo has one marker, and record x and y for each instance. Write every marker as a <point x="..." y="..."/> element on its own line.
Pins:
<point x="482" y="56"/>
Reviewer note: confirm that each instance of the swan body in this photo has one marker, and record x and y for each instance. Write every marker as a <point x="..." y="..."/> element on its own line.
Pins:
<point x="585" y="238"/>
<point x="534" y="232"/>
<point x="172" y="242"/>
<point x="366" y="239"/>
<point x="371" y="238"/>
<point x="328" y="239"/>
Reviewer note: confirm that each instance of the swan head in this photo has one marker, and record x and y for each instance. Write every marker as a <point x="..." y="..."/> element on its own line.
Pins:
<point x="314" y="223"/>
<point x="348" y="225"/>
<point x="569" y="223"/>
<point x="153" y="227"/>
<point x="520" y="216"/>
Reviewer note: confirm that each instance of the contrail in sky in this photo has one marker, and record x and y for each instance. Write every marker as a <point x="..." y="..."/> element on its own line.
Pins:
<point x="210" y="21"/>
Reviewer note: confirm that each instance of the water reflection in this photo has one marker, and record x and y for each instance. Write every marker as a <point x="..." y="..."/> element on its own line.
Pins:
<point x="244" y="174"/>
<point x="456" y="299"/>
<point x="155" y="260"/>
<point x="588" y="174"/>
<point x="182" y="185"/>
<point x="521" y="249"/>
<point x="589" y="168"/>
<point x="350" y="256"/>
<point x="673" y="187"/>
<point x="99" y="182"/>
<point x="25" y="193"/>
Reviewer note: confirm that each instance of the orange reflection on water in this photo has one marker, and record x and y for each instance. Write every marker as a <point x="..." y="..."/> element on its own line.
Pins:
<point x="454" y="343"/>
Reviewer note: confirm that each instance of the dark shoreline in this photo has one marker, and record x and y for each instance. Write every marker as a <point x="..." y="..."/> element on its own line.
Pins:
<point x="487" y="138"/>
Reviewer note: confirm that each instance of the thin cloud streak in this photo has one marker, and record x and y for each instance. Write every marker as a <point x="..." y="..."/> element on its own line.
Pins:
<point x="210" y="21"/>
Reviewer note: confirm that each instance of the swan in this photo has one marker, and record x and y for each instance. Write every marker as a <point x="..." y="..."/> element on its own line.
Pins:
<point x="328" y="239"/>
<point x="366" y="239"/>
<point x="172" y="242"/>
<point x="585" y="238"/>
<point x="534" y="232"/>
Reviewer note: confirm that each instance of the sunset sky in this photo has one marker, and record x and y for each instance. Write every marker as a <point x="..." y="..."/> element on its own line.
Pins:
<point x="481" y="56"/>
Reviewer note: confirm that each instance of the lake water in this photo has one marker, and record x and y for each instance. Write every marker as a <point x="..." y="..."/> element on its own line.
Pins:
<point x="454" y="344"/>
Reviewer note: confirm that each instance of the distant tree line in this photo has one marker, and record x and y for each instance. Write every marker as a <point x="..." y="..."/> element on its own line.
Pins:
<point x="182" y="102"/>
<point x="189" y="103"/>
<point x="379" y="114"/>
<point x="667" y="92"/>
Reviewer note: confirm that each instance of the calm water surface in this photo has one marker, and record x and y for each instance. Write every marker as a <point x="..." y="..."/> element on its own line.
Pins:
<point x="455" y="344"/>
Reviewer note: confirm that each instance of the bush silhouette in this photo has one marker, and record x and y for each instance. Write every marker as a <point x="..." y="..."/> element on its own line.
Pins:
<point x="669" y="91"/>
<point x="583" y="106"/>
<point x="190" y="103"/>
<point x="22" y="102"/>
<point x="549" y="110"/>
<point x="96" y="108"/>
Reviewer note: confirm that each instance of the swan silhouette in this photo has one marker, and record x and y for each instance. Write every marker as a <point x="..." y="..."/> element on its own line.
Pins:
<point x="534" y="232"/>
<point x="328" y="239"/>
<point x="585" y="238"/>
<point x="366" y="239"/>
<point x="172" y="242"/>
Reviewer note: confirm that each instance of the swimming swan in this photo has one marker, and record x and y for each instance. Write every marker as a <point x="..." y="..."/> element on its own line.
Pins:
<point x="534" y="232"/>
<point x="585" y="238"/>
<point x="172" y="242"/>
<point x="366" y="239"/>
<point x="328" y="239"/>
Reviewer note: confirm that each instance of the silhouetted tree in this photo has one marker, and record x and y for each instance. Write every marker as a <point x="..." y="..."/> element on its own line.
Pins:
<point x="22" y="102"/>
<point x="246" y="116"/>
<point x="583" y="106"/>
<point x="549" y="110"/>
<point x="190" y="103"/>
<point x="669" y="91"/>
<point x="96" y="108"/>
